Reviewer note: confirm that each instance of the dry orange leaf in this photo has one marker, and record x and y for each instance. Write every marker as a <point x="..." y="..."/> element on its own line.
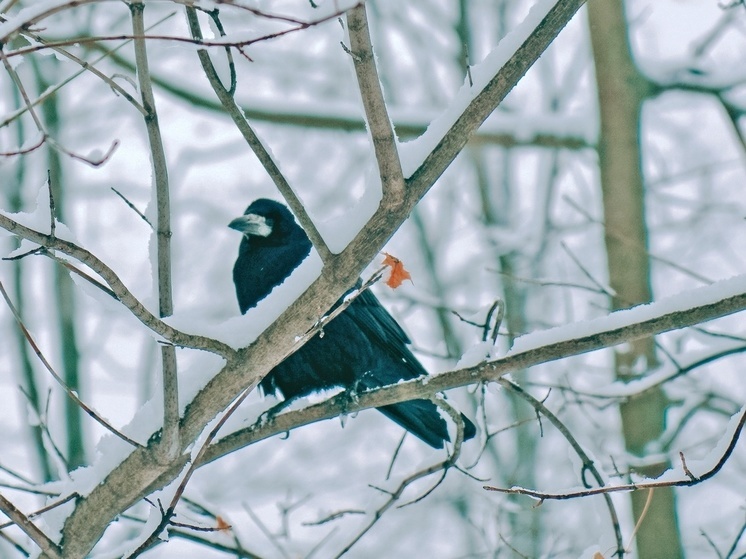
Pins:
<point x="222" y="525"/>
<point x="398" y="273"/>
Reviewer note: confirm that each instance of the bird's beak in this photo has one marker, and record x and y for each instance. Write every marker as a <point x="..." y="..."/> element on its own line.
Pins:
<point x="252" y="224"/>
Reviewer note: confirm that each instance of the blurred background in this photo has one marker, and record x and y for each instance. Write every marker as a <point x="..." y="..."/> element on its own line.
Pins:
<point x="612" y="175"/>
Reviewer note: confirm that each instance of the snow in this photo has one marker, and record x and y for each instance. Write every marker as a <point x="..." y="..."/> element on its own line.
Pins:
<point x="38" y="220"/>
<point x="28" y="14"/>
<point x="620" y="389"/>
<point x="682" y="301"/>
<point x="240" y="331"/>
<point x="701" y="466"/>
<point x="476" y="354"/>
<point x="328" y="168"/>
<point x="686" y="300"/>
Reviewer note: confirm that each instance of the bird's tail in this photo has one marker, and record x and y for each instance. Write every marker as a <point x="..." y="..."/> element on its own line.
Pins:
<point x="422" y="418"/>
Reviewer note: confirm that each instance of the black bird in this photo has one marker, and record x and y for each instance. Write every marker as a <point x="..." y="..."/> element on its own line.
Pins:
<point x="362" y="348"/>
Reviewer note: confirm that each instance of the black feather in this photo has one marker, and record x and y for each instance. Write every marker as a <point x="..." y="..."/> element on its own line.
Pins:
<point x="362" y="348"/>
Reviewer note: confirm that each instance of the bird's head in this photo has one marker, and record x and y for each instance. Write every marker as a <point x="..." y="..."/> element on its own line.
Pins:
<point x="273" y="245"/>
<point x="265" y="218"/>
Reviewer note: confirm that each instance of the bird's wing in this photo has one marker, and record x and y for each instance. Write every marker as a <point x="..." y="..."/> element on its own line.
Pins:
<point x="386" y="336"/>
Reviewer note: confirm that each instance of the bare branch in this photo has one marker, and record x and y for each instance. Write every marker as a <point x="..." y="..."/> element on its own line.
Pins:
<point x="395" y="495"/>
<point x="163" y="234"/>
<point x="265" y="158"/>
<point x="70" y="393"/>
<point x="486" y="100"/>
<point x="137" y="474"/>
<point x="85" y="67"/>
<point x="588" y="465"/>
<point x="131" y="206"/>
<point x="599" y="338"/>
<point x="123" y="294"/>
<point x="84" y="40"/>
<point x="377" y="117"/>
<point x="46" y="138"/>
<point x="688" y="482"/>
<point x="42" y="510"/>
<point x="48" y="547"/>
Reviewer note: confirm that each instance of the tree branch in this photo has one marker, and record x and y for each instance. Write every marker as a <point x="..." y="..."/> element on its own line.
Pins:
<point x="588" y="464"/>
<point x="123" y="294"/>
<point x="137" y="474"/>
<point x="376" y="114"/>
<point x="265" y="158"/>
<point x="606" y="332"/>
<point x="482" y="105"/>
<point x="163" y="233"/>
<point x="690" y="480"/>
<point x="48" y="547"/>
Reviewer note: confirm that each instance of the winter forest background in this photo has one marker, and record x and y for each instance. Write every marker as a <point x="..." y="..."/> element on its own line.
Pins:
<point x="611" y="175"/>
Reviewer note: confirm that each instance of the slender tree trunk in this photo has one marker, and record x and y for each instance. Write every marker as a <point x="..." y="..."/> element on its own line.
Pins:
<point x="64" y="289"/>
<point x="621" y="92"/>
<point x="28" y="378"/>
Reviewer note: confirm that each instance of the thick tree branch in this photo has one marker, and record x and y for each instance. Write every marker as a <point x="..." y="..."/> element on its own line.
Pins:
<point x="601" y="337"/>
<point x="139" y="474"/>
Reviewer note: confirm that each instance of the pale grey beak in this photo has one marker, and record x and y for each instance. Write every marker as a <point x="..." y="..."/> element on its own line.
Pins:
<point x="252" y="224"/>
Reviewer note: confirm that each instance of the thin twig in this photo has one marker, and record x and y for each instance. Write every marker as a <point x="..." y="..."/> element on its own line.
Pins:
<point x="266" y="531"/>
<point x="168" y="514"/>
<point x="394" y="495"/>
<point x="395" y="455"/>
<point x="643" y="514"/>
<point x="588" y="465"/>
<point x="87" y="39"/>
<point x="132" y="207"/>
<point x="42" y="510"/>
<point x="688" y="482"/>
<point x="93" y="162"/>
<point x="215" y="16"/>
<point x="41" y="418"/>
<point x="85" y="67"/>
<point x="71" y="393"/>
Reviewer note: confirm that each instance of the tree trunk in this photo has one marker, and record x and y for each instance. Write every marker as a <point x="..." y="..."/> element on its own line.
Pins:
<point x="621" y="92"/>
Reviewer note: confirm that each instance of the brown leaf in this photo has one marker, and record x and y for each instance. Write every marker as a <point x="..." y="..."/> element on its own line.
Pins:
<point x="222" y="525"/>
<point x="398" y="273"/>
